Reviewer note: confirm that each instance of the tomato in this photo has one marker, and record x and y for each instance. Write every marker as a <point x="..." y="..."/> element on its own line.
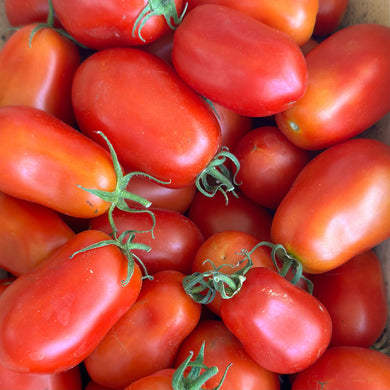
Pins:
<point x="43" y="160"/>
<point x="53" y="316"/>
<point x="23" y="12"/>
<point x="207" y="53"/>
<point x="173" y="244"/>
<point x="329" y="16"/>
<point x="147" y="337"/>
<point x="348" y="293"/>
<point x="269" y="163"/>
<point x="100" y="25"/>
<point x="338" y="206"/>
<point x="346" y="368"/>
<point x="29" y="233"/>
<point x="160" y="380"/>
<point x="281" y="326"/>
<point x="213" y="215"/>
<point x="346" y="94"/>
<point x="154" y="121"/>
<point x="295" y="18"/>
<point x="6" y="282"/>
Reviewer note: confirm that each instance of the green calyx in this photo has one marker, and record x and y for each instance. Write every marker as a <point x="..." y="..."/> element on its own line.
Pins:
<point x="195" y="379"/>
<point x="165" y="8"/>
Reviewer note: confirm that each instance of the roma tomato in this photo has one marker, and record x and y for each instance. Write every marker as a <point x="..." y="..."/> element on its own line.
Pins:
<point x="221" y="349"/>
<point x="295" y="18"/>
<point x="349" y="292"/>
<point x="29" y="233"/>
<point x="329" y="16"/>
<point x="338" y="206"/>
<point x="148" y="336"/>
<point x="207" y="53"/>
<point x="282" y="327"/>
<point x="43" y="160"/>
<point x="346" y="368"/>
<point x="160" y="380"/>
<point x="269" y="163"/>
<point x="39" y="75"/>
<point x="53" y="316"/>
<point x="155" y="122"/>
<point x="23" y="12"/>
<point x="346" y="94"/>
<point x="101" y="24"/>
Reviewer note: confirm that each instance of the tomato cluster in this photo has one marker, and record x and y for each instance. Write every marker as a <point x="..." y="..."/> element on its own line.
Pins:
<point x="188" y="199"/>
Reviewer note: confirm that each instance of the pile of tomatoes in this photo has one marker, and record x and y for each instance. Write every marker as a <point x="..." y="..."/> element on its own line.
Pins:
<point x="188" y="199"/>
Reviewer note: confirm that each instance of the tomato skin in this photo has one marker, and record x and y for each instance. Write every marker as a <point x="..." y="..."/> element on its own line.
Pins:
<point x="59" y="159"/>
<point x="269" y="163"/>
<point x="155" y="122"/>
<point x="282" y="327"/>
<point x="101" y="25"/>
<point x="346" y="368"/>
<point x="348" y="293"/>
<point x="160" y="380"/>
<point x="23" y="12"/>
<point x="59" y="329"/>
<point x="329" y="16"/>
<point x="41" y="75"/>
<point x="345" y="94"/>
<point x="336" y="195"/>
<point x="175" y="242"/>
<point x="147" y="337"/>
<point x="295" y="18"/>
<point x="208" y="48"/>
<point x="28" y="234"/>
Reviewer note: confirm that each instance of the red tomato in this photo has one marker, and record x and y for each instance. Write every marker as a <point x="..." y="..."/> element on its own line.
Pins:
<point x="29" y="233"/>
<point x="148" y="336"/>
<point x="295" y="18"/>
<point x="347" y="93"/>
<point x="101" y="24"/>
<point x="282" y="327"/>
<point x="43" y="160"/>
<point x="154" y="121"/>
<point x="207" y="53"/>
<point x="329" y="16"/>
<point x="346" y="368"/>
<point x="53" y="316"/>
<point x="174" y="242"/>
<point x="348" y="292"/>
<point x="213" y="215"/>
<point x="6" y="282"/>
<point x="22" y="12"/>
<point x="41" y="75"/>
<point x="269" y="163"/>
<point x="160" y="380"/>
<point x="221" y="349"/>
<point x="338" y="206"/>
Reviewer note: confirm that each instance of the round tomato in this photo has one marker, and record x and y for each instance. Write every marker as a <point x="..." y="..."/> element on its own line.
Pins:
<point x="160" y="380"/>
<point x="329" y="16"/>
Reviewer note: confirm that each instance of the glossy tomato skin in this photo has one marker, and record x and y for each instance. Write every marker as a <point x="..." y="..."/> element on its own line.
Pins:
<point x="295" y="18"/>
<point x="221" y="349"/>
<point x="67" y="305"/>
<point x="269" y="164"/>
<point x="282" y="327"/>
<point x="346" y="368"/>
<point x="345" y="94"/>
<point x="338" y="206"/>
<point x="207" y="53"/>
<point x="41" y="75"/>
<point x="148" y="336"/>
<point x="349" y="292"/>
<point x="160" y="380"/>
<point x="329" y="16"/>
<point x="155" y="122"/>
<point x="28" y="234"/>
<point x="59" y="159"/>
<point x="173" y="244"/>
<point x="101" y="24"/>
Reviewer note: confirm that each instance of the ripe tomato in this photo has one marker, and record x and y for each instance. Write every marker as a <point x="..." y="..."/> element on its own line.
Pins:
<point x="160" y="380"/>
<point x="347" y="93"/>
<point x="269" y="163"/>
<point x="329" y="16"/>
<point x="346" y="368"/>
<point x="28" y="234"/>
<point x="338" y="206"/>
<point x="41" y="75"/>
<point x="43" y="160"/>
<point x="208" y="50"/>
<point x="295" y="18"/>
<point x="348" y="292"/>
<point x="53" y="316"/>
<point x="147" y="337"/>
<point x="282" y="327"/>
<point x="23" y="12"/>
